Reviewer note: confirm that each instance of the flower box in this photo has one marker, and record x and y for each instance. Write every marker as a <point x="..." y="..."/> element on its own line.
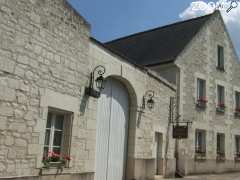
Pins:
<point x="55" y="160"/>
<point x="221" y="107"/>
<point x="202" y="102"/>
<point x="200" y="155"/>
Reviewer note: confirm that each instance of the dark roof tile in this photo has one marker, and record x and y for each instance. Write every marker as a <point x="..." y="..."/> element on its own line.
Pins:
<point x="160" y="45"/>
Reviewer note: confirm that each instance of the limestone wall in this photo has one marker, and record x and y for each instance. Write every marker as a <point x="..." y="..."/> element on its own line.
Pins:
<point x="43" y="53"/>
<point x="46" y="58"/>
<point x="199" y="60"/>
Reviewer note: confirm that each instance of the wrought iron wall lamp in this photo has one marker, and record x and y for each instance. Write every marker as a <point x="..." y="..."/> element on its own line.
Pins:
<point x="99" y="82"/>
<point x="148" y="100"/>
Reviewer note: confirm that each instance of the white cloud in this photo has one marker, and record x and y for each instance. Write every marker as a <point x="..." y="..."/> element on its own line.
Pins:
<point x="199" y="8"/>
<point x="195" y="9"/>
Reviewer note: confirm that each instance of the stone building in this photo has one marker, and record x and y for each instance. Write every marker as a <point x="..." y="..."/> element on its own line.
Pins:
<point x="47" y="60"/>
<point x="197" y="56"/>
<point x="50" y="102"/>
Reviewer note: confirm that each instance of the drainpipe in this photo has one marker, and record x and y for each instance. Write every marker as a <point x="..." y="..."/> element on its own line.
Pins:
<point x="178" y="79"/>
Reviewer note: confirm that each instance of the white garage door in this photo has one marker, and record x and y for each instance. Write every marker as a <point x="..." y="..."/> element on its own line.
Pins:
<point x="112" y="125"/>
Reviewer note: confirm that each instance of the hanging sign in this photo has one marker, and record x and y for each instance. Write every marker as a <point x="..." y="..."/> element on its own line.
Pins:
<point x="180" y="131"/>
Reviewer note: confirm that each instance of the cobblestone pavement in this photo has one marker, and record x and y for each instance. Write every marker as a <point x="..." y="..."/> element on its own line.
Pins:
<point x="229" y="176"/>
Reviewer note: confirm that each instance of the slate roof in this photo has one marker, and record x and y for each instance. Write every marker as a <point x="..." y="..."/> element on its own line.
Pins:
<point x="159" y="45"/>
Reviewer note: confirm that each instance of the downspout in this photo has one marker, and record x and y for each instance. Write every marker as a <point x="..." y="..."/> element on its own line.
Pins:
<point x="178" y="79"/>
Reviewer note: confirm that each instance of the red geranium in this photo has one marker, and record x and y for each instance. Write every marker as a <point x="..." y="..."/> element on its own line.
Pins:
<point x="203" y="99"/>
<point x="221" y="105"/>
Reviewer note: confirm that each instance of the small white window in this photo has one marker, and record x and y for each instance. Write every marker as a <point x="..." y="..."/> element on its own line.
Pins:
<point x="200" y="142"/>
<point x="220" y="64"/>
<point x="221" y="144"/>
<point x="221" y="97"/>
<point x="58" y="133"/>
<point x="237" y="142"/>
<point x="237" y="99"/>
<point x="201" y="89"/>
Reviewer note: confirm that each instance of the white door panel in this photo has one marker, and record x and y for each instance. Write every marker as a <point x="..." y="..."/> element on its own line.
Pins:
<point x="112" y="128"/>
<point x="118" y="131"/>
<point x="103" y="118"/>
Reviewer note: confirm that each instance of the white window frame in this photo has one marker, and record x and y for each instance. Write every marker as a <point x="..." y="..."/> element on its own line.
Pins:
<point x="222" y="98"/>
<point x="199" y="87"/>
<point x="222" y="145"/>
<point x="237" y="146"/>
<point x="220" y="57"/>
<point x="237" y="103"/>
<point x="200" y="146"/>
<point x="52" y="131"/>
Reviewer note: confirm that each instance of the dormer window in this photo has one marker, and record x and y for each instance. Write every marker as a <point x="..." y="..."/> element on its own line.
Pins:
<point x="220" y="63"/>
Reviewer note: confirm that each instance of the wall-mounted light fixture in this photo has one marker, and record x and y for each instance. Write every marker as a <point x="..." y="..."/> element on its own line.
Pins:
<point x="148" y="100"/>
<point x="99" y="82"/>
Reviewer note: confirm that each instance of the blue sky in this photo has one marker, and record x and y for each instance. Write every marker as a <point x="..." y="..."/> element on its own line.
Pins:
<point x="111" y="19"/>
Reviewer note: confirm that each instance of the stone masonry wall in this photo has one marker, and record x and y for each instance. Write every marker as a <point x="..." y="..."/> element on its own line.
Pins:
<point x="45" y="61"/>
<point x="43" y="48"/>
<point x="142" y="125"/>
<point x="199" y="60"/>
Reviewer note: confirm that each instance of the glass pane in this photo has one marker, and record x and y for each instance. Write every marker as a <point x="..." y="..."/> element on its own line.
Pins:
<point x="47" y="137"/>
<point x="49" y="120"/>
<point x="237" y="100"/>
<point x="59" y="122"/>
<point x="220" y="57"/>
<point x="57" y="138"/>
<point x="238" y="144"/>
<point x="218" y="143"/>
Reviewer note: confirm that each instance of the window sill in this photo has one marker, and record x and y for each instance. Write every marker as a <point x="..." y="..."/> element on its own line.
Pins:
<point x="221" y="69"/>
<point x="220" y="158"/>
<point x="200" y="156"/>
<point x="201" y="105"/>
<point x="54" y="170"/>
<point x="220" y="110"/>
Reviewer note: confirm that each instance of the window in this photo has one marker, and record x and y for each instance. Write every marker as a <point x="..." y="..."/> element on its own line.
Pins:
<point x="221" y="98"/>
<point x="237" y="99"/>
<point x="237" y="141"/>
<point x="220" y="64"/>
<point x="200" y="142"/>
<point x="57" y="134"/>
<point x="220" y="145"/>
<point x="201" y="93"/>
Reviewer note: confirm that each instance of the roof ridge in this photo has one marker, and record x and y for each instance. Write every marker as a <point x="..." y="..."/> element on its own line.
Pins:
<point x="161" y="27"/>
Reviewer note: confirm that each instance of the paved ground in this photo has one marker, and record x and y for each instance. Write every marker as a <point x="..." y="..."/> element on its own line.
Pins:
<point x="232" y="176"/>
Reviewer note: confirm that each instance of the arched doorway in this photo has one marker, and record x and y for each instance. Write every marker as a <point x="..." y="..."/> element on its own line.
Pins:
<point x="112" y="131"/>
